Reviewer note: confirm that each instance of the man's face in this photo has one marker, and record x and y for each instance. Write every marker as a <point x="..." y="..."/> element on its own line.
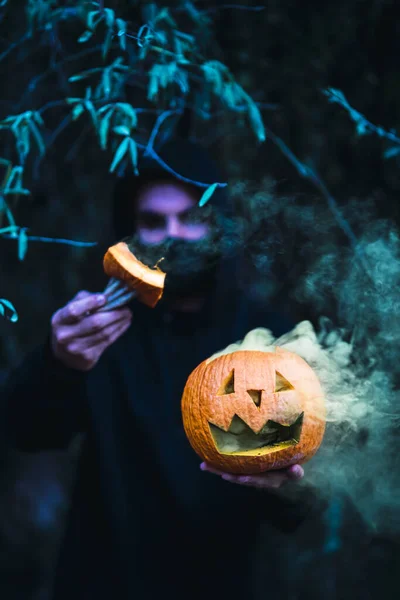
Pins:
<point x="170" y="224"/>
<point x="170" y="211"/>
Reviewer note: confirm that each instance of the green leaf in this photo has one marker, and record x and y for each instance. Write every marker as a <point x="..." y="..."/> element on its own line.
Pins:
<point x="152" y="91"/>
<point x="23" y="141"/>
<point x="104" y="108"/>
<point x="13" y="176"/>
<point x="144" y="36"/>
<point x="207" y="194"/>
<point x="90" y="18"/>
<point x="185" y="36"/>
<point x="256" y="121"/>
<point x="134" y="154"/>
<point x="37" y="117"/>
<point x="106" y="82"/>
<point x="104" y="127"/>
<point x="119" y="154"/>
<point x="110" y="17"/>
<point x="91" y="110"/>
<point x="107" y="43"/>
<point x="77" y="111"/>
<point x="121" y="130"/>
<point x="121" y="24"/>
<point x="129" y="111"/>
<point x="18" y="191"/>
<point x="86" y="35"/>
<point x="6" y="304"/>
<point x="82" y="75"/>
<point x="22" y="244"/>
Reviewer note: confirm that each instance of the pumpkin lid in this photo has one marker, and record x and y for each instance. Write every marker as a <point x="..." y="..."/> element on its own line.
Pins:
<point x="148" y="282"/>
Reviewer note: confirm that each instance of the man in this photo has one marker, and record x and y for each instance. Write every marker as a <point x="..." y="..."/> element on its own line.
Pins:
<point x="145" y="519"/>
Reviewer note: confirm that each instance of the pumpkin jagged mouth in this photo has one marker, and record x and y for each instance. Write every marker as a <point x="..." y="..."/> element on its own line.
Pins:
<point x="241" y="439"/>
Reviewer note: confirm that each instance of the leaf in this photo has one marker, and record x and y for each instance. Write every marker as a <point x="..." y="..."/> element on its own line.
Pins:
<point x="256" y="121"/>
<point x="86" y="35"/>
<point x="22" y="244"/>
<point x="13" y="176"/>
<point x="207" y="194"/>
<point x="77" y="111"/>
<point x="144" y="36"/>
<point x="121" y="130"/>
<point x="134" y="154"/>
<point x="90" y="18"/>
<point x="18" y="191"/>
<point x="129" y="111"/>
<point x="104" y="108"/>
<point x="82" y="75"/>
<point x="106" y="82"/>
<point x="394" y="151"/>
<point x="37" y="117"/>
<point x="119" y="154"/>
<point x="107" y="43"/>
<point x="104" y="126"/>
<point x="91" y="110"/>
<point x="152" y="92"/>
<point x="185" y="36"/>
<point x="5" y="303"/>
<point x="182" y="79"/>
<point x="23" y="141"/>
<point x="110" y="17"/>
<point x="121" y="24"/>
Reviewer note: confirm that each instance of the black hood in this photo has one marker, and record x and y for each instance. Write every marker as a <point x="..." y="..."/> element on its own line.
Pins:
<point x="183" y="158"/>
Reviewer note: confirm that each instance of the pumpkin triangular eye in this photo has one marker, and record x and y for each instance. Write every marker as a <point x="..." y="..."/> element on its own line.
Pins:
<point x="282" y="384"/>
<point x="255" y="395"/>
<point x="228" y="385"/>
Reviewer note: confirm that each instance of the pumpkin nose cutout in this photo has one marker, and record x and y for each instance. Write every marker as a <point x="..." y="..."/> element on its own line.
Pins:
<point x="255" y="395"/>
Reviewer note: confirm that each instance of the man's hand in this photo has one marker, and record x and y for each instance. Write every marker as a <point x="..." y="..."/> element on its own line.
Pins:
<point x="79" y="337"/>
<point x="267" y="480"/>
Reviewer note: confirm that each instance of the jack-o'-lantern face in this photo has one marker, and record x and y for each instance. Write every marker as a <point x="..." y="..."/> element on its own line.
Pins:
<point x="252" y="411"/>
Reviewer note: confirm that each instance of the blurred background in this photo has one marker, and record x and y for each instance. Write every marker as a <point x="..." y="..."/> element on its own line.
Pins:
<point x="294" y="161"/>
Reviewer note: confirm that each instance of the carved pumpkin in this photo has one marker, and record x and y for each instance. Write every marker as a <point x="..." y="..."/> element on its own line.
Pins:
<point x="251" y="411"/>
<point x="147" y="282"/>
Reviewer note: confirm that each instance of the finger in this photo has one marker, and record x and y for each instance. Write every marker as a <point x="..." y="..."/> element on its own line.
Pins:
<point x="77" y="309"/>
<point x="92" y="325"/>
<point x="206" y="467"/>
<point x="108" y="336"/>
<point x="268" y="481"/>
<point x="81" y="294"/>
<point x="295" y="472"/>
<point x="92" y="347"/>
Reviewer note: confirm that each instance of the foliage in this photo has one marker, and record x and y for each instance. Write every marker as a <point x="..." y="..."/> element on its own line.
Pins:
<point x="152" y="63"/>
<point x="363" y="126"/>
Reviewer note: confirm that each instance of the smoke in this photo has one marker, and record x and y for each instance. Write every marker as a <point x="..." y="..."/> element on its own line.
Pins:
<point x="353" y="346"/>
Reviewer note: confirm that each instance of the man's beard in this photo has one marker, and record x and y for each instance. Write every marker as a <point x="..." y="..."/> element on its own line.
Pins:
<point x="191" y="266"/>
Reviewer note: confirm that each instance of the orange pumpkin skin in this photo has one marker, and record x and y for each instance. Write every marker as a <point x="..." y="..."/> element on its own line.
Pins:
<point x="148" y="283"/>
<point x="204" y="402"/>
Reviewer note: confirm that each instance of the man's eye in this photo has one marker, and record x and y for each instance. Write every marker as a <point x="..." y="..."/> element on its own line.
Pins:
<point x="150" y="221"/>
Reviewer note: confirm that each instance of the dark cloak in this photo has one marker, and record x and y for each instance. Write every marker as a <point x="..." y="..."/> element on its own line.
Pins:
<point x="144" y="520"/>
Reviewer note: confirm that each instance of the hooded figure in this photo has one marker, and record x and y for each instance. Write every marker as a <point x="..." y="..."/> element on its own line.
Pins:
<point x="144" y="520"/>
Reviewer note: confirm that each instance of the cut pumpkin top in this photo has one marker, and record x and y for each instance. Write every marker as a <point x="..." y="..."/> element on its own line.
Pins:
<point x="147" y="282"/>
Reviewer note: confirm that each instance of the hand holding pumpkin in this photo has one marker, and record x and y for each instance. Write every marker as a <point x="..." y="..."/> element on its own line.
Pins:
<point x="78" y="337"/>
<point x="263" y="481"/>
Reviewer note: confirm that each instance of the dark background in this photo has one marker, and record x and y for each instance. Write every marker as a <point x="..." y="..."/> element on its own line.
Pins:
<point x="284" y="56"/>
